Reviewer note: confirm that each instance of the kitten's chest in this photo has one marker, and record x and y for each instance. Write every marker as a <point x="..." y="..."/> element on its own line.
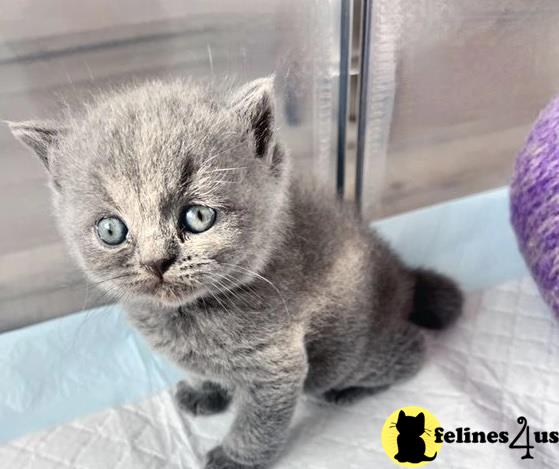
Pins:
<point x="207" y="346"/>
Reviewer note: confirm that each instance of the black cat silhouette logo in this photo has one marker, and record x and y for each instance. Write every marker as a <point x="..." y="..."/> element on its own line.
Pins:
<point x="407" y="437"/>
<point x="411" y="447"/>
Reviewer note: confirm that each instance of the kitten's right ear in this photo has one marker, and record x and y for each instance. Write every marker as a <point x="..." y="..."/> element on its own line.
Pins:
<point x="401" y="415"/>
<point x="40" y="136"/>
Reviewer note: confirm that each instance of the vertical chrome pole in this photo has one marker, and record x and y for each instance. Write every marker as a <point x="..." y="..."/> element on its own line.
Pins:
<point x="343" y="95"/>
<point x="366" y="17"/>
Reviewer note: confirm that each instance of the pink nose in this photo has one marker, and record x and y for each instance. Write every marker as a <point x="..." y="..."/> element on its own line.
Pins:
<point x="159" y="266"/>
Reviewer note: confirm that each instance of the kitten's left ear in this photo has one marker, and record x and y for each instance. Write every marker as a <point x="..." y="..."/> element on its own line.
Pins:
<point x="40" y="136"/>
<point x="421" y="417"/>
<point x="254" y="102"/>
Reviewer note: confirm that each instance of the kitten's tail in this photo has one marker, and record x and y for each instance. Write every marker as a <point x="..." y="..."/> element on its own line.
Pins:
<point x="437" y="300"/>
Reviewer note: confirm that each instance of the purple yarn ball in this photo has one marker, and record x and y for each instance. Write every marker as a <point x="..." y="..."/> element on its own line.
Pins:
<point x="534" y="197"/>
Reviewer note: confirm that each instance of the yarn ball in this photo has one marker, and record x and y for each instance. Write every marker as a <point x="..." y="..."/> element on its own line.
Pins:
<point x="534" y="197"/>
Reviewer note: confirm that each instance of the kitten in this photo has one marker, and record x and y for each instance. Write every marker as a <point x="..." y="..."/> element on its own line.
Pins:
<point x="411" y="447"/>
<point x="179" y="200"/>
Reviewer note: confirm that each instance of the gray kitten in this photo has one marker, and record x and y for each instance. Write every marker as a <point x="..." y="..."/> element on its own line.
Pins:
<point x="179" y="200"/>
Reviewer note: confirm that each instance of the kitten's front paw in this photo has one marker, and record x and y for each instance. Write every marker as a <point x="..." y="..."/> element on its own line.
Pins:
<point x="217" y="459"/>
<point x="209" y="399"/>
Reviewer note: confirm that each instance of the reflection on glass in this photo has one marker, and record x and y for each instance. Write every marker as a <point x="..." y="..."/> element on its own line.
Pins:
<point x="453" y="89"/>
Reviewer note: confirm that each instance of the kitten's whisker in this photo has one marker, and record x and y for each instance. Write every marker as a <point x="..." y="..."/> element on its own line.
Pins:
<point x="110" y="279"/>
<point x="268" y="282"/>
<point x="222" y="287"/>
<point x="218" y="301"/>
<point x="115" y="294"/>
<point x="218" y="286"/>
<point x="226" y="169"/>
<point x="172" y="291"/>
<point x="256" y="274"/>
<point x="88" y="301"/>
<point x="236" y="294"/>
<point x="240" y="288"/>
<point x="228" y="182"/>
<point x="195" y="263"/>
<point x="221" y="291"/>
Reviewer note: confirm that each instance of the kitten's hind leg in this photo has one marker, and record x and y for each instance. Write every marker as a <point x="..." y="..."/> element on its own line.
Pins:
<point x="206" y="399"/>
<point x="351" y="394"/>
<point x="397" y="359"/>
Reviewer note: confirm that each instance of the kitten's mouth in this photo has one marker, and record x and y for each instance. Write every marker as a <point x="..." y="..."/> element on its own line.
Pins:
<point x="169" y="293"/>
<point x="160" y="287"/>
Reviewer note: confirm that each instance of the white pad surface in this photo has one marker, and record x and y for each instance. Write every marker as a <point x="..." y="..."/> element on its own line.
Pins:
<point x="500" y="362"/>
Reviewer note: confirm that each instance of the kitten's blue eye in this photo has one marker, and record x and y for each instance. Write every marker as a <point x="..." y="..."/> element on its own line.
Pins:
<point x="198" y="218"/>
<point x="111" y="230"/>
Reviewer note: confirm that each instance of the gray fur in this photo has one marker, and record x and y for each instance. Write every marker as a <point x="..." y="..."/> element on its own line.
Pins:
<point x="286" y="293"/>
<point x="206" y="399"/>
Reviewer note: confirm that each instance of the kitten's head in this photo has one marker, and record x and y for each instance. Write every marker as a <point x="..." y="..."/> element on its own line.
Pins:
<point x="167" y="191"/>
<point x="410" y="425"/>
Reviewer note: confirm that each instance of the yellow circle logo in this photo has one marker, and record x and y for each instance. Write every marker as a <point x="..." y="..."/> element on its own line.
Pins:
<point x="408" y="437"/>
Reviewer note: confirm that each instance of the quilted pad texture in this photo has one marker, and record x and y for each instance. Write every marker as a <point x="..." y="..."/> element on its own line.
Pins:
<point x="500" y="362"/>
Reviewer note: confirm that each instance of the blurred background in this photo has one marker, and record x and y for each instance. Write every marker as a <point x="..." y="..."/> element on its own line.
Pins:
<point x="452" y="89"/>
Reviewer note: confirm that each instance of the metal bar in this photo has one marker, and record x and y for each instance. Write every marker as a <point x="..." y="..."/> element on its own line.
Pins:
<point x="366" y="18"/>
<point x="345" y="62"/>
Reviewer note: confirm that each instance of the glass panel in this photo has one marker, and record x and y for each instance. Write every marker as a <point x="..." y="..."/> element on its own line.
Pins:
<point x="453" y="89"/>
<point x="56" y="52"/>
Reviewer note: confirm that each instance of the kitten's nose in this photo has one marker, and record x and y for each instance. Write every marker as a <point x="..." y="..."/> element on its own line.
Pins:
<point x="160" y="266"/>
